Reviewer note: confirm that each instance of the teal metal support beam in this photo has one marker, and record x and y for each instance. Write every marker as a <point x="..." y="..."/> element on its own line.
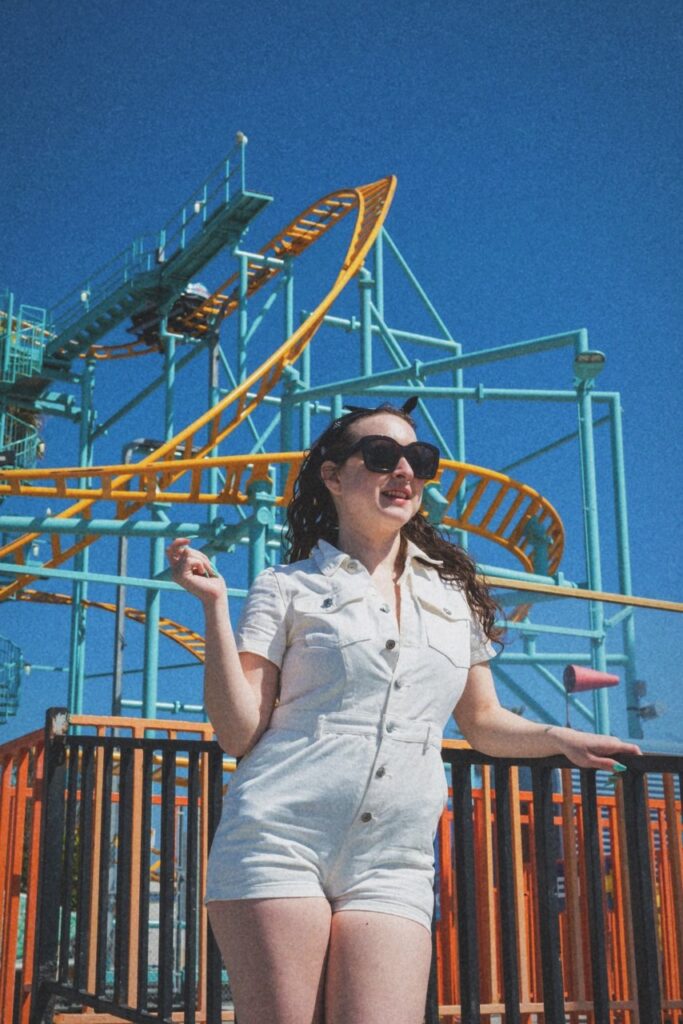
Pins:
<point x="478" y="394"/>
<point x="292" y="376"/>
<point x="393" y="382"/>
<point x="352" y="323"/>
<point x="365" y="286"/>
<point x="628" y="624"/>
<point x="242" y="319"/>
<point x="175" y="708"/>
<point x="241" y="140"/>
<point x="150" y="680"/>
<point x="169" y="343"/>
<point x="138" y="671"/>
<point x="378" y="267"/>
<point x="592" y="534"/>
<point x="6" y="343"/>
<point x="79" y="590"/>
<point x="536" y="628"/>
<point x="560" y="442"/>
<point x="258" y="258"/>
<point x="306" y="436"/>
<point x="392" y="346"/>
<point x="291" y="382"/>
<point x="53" y="403"/>
<point x="558" y="658"/>
<point x="288" y="285"/>
<point x="213" y="394"/>
<point x="262" y="500"/>
<point x="421" y="293"/>
<point x="520" y="574"/>
<point x="217" y="531"/>
<point x="143" y="582"/>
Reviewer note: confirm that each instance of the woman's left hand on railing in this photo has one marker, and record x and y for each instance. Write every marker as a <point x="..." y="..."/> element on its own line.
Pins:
<point x="593" y="750"/>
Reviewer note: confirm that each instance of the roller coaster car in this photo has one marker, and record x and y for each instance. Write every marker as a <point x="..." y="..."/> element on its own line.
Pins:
<point x="146" y="323"/>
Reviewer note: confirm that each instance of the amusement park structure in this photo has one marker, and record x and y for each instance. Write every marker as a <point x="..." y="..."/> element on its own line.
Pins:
<point x="231" y="458"/>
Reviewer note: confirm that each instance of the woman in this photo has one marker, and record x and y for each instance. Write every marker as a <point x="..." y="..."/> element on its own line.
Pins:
<point x="348" y="663"/>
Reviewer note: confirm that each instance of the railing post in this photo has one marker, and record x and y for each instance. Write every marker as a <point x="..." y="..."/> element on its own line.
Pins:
<point x="214" y="965"/>
<point x="241" y="140"/>
<point x="545" y="842"/>
<point x="594" y="897"/>
<point x="507" y="895"/>
<point x="50" y="865"/>
<point x="465" y="885"/>
<point x="645" y="939"/>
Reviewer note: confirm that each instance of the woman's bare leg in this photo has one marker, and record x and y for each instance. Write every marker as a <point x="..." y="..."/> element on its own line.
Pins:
<point x="377" y="969"/>
<point x="274" y="951"/>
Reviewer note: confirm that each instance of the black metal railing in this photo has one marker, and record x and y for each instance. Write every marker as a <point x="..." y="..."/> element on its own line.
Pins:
<point x="127" y="823"/>
<point x="126" y="826"/>
<point x="650" y="860"/>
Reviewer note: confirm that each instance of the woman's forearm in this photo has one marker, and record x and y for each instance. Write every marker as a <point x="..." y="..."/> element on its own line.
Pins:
<point x="230" y="702"/>
<point x="502" y="733"/>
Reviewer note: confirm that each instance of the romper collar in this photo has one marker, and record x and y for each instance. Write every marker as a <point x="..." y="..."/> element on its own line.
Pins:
<point x="329" y="559"/>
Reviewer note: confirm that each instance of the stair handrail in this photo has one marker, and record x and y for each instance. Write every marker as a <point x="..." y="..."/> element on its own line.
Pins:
<point x="146" y="252"/>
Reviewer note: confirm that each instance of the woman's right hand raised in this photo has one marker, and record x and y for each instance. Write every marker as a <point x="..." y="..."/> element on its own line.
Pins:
<point x="193" y="571"/>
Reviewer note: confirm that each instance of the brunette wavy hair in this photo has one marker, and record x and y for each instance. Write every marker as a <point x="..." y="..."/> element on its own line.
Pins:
<point x="311" y="516"/>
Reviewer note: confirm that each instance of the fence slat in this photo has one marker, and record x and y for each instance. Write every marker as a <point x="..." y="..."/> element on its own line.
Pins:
<point x="191" y="873"/>
<point x="166" y="883"/>
<point x="123" y="875"/>
<point x="465" y="884"/>
<point x="144" y="880"/>
<point x="637" y="819"/>
<point x="546" y="887"/>
<point x="105" y="794"/>
<point x="596" y="910"/>
<point x="85" y="879"/>
<point x="49" y="880"/>
<point x="506" y="889"/>
<point x="214" y="964"/>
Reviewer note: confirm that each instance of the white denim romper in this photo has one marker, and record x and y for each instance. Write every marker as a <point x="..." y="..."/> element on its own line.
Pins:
<point x="341" y="795"/>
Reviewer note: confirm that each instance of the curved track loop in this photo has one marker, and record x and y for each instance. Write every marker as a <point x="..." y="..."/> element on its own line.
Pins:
<point x="301" y="233"/>
<point x="192" y="642"/>
<point x="494" y="506"/>
<point x="371" y="203"/>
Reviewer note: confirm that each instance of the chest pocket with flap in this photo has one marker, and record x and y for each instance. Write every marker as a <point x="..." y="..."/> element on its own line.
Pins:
<point x="332" y="619"/>
<point x="447" y="623"/>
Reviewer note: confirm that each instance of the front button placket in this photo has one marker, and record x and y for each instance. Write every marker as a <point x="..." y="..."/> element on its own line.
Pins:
<point x="379" y="785"/>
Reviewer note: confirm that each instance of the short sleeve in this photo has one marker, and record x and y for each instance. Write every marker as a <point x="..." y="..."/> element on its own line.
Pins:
<point x="261" y="627"/>
<point x="481" y="648"/>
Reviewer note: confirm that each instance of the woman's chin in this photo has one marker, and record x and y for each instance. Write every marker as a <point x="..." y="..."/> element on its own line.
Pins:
<point x="399" y="511"/>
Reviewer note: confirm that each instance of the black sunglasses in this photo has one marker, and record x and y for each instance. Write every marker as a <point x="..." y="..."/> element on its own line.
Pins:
<point x="381" y="454"/>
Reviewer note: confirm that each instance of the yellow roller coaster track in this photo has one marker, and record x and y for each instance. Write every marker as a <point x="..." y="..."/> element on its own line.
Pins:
<point x="192" y="642"/>
<point x="371" y="204"/>
<point x="494" y="507"/>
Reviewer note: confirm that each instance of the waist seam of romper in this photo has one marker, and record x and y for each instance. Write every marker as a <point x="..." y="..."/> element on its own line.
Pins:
<point x="391" y="727"/>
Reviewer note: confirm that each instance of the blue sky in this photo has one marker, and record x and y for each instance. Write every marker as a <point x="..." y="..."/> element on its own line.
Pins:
<point x="538" y="153"/>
